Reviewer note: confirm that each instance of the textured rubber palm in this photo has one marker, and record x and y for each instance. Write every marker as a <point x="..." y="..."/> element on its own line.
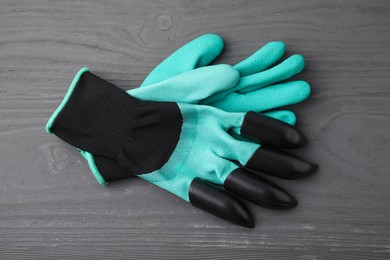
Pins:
<point x="197" y="53"/>
<point x="254" y="74"/>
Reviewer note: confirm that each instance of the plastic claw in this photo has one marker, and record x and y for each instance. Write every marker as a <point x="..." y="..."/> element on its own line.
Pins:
<point x="267" y="130"/>
<point x="258" y="190"/>
<point x="280" y="164"/>
<point x="219" y="203"/>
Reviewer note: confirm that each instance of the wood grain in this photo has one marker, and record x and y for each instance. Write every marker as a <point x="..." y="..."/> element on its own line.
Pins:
<point x="51" y="207"/>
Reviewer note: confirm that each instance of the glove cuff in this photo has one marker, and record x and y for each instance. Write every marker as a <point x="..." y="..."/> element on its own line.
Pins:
<point x="95" y="116"/>
<point x="65" y="100"/>
<point x="98" y="117"/>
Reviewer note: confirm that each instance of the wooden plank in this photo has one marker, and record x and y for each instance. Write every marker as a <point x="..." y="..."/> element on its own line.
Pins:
<point x="51" y="207"/>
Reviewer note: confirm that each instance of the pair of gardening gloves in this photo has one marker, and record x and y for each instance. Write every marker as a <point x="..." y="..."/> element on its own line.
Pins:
<point x="205" y="133"/>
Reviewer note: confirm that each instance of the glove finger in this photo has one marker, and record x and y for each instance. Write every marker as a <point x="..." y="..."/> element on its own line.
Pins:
<point x="219" y="203"/>
<point x="268" y="98"/>
<point x="262" y="59"/>
<point x="197" y="53"/>
<point x="269" y="131"/>
<point x="258" y="190"/>
<point x="279" y="164"/>
<point x="288" y="68"/>
<point x="253" y="129"/>
<point x="286" y="116"/>
<point x="195" y="85"/>
<point x="259" y="158"/>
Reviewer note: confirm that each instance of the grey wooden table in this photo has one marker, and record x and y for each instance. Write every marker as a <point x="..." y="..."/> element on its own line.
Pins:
<point x="52" y="208"/>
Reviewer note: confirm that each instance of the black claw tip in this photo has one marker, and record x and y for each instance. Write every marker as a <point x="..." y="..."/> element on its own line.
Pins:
<point x="219" y="203"/>
<point x="258" y="190"/>
<point x="285" y="201"/>
<point x="306" y="169"/>
<point x="294" y="138"/>
<point x="267" y="130"/>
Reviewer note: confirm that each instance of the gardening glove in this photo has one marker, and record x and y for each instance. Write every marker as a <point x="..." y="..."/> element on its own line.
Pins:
<point x="255" y="89"/>
<point x="183" y="147"/>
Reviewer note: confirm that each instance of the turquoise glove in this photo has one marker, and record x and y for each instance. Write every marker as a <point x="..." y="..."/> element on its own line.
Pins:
<point x="253" y="90"/>
<point x="256" y="90"/>
<point x="180" y="147"/>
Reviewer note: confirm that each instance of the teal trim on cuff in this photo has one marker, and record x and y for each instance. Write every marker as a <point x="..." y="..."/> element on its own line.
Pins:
<point x="65" y="100"/>
<point x="92" y="166"/>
